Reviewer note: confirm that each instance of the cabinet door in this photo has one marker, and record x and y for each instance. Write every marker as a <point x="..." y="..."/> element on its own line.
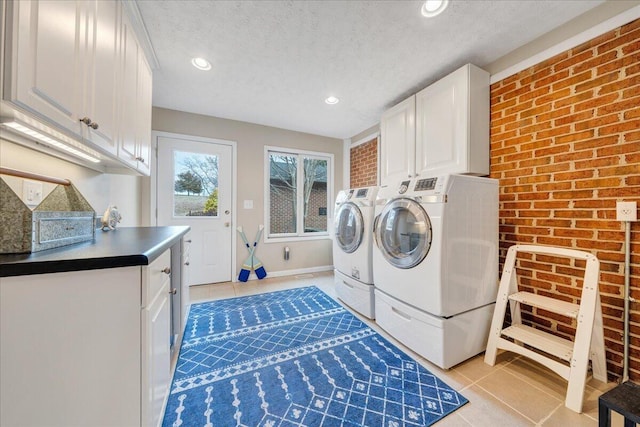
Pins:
<point x="47" y="61"/>
<point x="442" y="125"/>
<point x="101" y="97"/>
<point x="143" y="136"/>
<point x="129" y="88"/>
<point x="158" y="359"/>
<point x="397" y="150"/>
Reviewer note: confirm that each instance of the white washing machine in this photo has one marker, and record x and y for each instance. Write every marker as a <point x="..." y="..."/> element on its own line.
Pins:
<point x="352" y="247"/>
<point x="436" y="264"/>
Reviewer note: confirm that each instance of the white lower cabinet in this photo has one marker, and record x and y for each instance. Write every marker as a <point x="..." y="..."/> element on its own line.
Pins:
<point x="85" y="348"/>
<point x="156" y="358"/>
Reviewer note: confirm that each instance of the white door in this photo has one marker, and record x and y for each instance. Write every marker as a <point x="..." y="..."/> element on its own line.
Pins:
<point x="194" y="188"/>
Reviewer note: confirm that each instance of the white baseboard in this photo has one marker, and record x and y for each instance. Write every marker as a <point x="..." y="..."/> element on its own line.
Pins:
<point x="284" y="273"/>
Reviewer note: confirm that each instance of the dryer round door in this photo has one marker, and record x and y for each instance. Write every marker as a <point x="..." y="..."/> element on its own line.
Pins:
<point x="403" y="233"/>
<point x="349" y="227"/>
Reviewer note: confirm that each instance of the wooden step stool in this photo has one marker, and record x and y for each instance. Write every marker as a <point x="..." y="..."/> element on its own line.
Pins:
<point x="569" y="359"/>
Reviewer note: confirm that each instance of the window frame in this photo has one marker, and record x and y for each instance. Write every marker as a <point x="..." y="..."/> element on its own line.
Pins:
<point x="301" y="155"/>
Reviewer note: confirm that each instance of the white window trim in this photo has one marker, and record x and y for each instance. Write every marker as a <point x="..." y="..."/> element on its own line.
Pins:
<point x="292" y="237"/>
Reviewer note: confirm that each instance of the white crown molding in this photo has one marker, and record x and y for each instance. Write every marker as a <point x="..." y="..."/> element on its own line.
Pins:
<point x="132" y="10"/>
<point x="365" y="139"/>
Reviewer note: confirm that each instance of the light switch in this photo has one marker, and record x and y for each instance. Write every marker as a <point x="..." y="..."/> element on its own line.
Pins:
<point x="31" y="192"/>
<point x="248" y="204"/>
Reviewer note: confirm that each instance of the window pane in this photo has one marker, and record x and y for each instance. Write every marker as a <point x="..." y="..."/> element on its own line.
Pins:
<point x="315" y="195"/>
<point x="282" y="193"/>
<point x="195" y="184"/>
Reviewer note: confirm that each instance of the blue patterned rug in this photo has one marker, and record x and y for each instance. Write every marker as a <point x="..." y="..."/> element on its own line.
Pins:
<point x="297" y="358"/>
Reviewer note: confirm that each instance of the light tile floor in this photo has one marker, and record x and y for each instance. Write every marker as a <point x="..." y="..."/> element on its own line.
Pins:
<point x="514" y="392"/>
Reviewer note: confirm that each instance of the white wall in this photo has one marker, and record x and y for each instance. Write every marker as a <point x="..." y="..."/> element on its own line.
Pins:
<point x="251" y="139"/>
<point x="99" y="189"/>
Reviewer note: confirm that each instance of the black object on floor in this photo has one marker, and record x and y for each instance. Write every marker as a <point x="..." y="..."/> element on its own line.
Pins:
<point x="624" y="399"/>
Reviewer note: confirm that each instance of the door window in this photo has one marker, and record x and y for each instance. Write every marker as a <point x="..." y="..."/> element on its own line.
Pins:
<point x="195" y="184"/>
<point x="403" y="233"/>
<point x="349" y="227"/>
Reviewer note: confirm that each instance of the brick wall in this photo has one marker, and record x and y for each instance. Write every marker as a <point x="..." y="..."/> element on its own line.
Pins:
<point x="282" y="209"/>
<point x="364" y="164"/>
<point x="565" y="145"/>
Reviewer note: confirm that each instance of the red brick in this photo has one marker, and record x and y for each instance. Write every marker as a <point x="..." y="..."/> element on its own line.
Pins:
<point x="595" y="102"/>
<point x="607" y="58"/>
<point x="627" y="104"/>
<point x="573" y="60"/>
<point x="619" y="41"/>
<point x="574" y="80"/>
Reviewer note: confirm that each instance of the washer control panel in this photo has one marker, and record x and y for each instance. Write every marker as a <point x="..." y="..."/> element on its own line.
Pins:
<point x="362" y="192"/>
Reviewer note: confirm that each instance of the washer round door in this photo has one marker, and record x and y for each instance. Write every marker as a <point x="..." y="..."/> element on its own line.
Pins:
<point x="403" y="233"/>
<point x="349" y="227"/>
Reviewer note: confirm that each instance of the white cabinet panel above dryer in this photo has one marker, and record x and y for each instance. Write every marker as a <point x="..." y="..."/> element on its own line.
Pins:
<point x="442" y="129"/>
<point x="452" y="124"/>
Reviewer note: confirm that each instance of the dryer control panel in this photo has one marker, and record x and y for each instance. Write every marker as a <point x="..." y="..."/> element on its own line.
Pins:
<point x="425" y="184"/>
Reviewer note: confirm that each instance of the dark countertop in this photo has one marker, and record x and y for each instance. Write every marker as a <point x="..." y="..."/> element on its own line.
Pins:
<point x="123" y="247"/>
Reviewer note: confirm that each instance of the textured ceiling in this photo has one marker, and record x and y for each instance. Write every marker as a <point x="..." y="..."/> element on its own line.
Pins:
<point x="274" y="62"/>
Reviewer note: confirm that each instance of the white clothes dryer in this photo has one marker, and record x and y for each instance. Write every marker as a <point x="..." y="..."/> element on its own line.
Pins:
<point x="352" y="247"/>
<point x="436" y="264"/>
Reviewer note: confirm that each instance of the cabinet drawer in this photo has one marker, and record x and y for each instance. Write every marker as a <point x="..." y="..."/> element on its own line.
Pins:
<point x="155" y="275"/>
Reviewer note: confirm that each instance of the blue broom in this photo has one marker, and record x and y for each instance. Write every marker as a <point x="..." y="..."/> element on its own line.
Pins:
<point x="255" y="262"/>
<point x="248" y="263"/>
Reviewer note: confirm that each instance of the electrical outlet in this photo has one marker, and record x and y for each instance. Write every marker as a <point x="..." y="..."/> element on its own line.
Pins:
<point x="31" y="192"/>
<point x="626" y="211"/>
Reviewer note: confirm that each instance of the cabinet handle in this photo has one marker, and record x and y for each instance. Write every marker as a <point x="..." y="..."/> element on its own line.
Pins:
<point x="140" y="159"/>
<point x="188" y="241"/>
<point x="186" y="263"/>
<point x="173" y="291"/>
<point x="86" y="120"/>
<point x="166" y="270"/>
<point x="93" y="125"/>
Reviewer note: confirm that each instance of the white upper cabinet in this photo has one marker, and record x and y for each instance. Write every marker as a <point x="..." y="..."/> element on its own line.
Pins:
<point x="452" y="124"/>
<point x="67" y="68"/>
<point x="101" y="94"/>
<point x="397" y="150"/>
<point x="63" y="66"/>
<point x="442" y="129"/>
<point x="135" y="108"/>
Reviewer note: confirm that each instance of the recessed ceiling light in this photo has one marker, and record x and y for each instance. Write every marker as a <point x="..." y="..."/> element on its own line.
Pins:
<point x="332" y="100"/>
<point x="201" y="64"/>
<point x="432" y="8"/>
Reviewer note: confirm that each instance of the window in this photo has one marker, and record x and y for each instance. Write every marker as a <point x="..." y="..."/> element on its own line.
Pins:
<point x="297" y="193"/>
<point x="195" y="184"/>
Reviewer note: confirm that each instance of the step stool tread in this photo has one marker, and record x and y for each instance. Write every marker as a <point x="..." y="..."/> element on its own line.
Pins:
<point x="549" y="343"/>
<point x="551" y="304"/>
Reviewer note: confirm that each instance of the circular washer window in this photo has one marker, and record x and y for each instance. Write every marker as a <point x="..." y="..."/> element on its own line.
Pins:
<point x="403" y="233"/>
<point x="349" y="227"/>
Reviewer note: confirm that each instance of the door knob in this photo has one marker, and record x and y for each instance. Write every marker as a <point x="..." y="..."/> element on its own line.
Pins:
<point x="226" y="224"/>
<point x="227" y="212"/>
<point x="166" y="270"/>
